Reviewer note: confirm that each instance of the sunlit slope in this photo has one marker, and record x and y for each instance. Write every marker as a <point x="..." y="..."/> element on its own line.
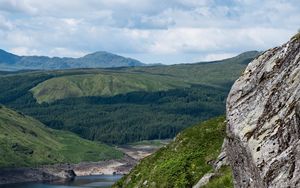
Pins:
<point x="112" y="82"/>
<point x="25" y="141"/>
<point x="184" y="161"/>
<point x="102" y="84"/>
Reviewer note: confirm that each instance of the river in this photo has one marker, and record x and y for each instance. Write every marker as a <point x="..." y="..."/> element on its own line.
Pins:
<point x="101" y="181"/>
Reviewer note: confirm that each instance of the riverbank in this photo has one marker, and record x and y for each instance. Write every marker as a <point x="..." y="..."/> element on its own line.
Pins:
<point x="66" y="171"/>
<point x="99" y="181"/>
<point x="19" y="175"/>
<point x="110" y="167"/>
<point x="132" y="155"/>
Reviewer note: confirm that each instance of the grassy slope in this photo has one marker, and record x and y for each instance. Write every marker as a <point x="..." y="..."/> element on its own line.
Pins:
<point x="215" y="73"/>
<point x="184" y="161"/>
<point x="101" y="84"/>
<point x="154" y="143"/>
<point x="117" y="81"/>
<point x="25" y="141"/>
<point x="223" y="179"/>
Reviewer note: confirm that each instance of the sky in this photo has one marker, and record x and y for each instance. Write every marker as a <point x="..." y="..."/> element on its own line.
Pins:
<point x="152" y="31"/>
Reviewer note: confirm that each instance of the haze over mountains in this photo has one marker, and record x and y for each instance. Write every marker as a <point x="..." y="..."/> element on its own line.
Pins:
<point x="101" y="59"/>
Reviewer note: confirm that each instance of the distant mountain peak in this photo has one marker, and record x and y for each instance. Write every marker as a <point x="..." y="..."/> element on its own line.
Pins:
<point x="99" y="59"/>
<point x="249" y="53"/>
<point x="8" y="58"/>
<point x="98" y="53"/>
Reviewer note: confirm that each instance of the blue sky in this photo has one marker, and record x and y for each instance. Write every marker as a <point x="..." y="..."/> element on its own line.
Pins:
<point x="153" y="31"/>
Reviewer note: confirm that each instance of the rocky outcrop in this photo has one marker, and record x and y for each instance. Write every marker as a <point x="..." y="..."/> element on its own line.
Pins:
<point x="263" y="114"/>
<point x="18" y="175"/>
<point x="204" y="180"/>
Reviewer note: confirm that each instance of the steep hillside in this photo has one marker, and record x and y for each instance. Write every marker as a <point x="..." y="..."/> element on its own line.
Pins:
<point x="184" y="161"/>
<point x="25" y="141"/>
<point x="263" y="113"/>
<point x="13" y="62"/>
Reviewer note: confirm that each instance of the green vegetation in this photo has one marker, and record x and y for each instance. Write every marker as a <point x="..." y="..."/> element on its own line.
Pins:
<point x="25" y="141"/>
<point x="129" y="117"/>
<point x="216" y="73"/>
<point x="155" y="143"/>
<point x="102" y="84"/>
<point x="184" y="161"/>
<point x="223" y="179"/>
<point x="157" y="78"/>
<point x="124" y="105"/>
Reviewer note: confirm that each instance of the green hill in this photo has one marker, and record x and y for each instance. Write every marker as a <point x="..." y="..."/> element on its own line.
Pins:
<point x="122" y="105"/>
<point x="25" y="141"/>
<point x="101" y="84"/>
<point x="149" y="79"/>
<point x="184" y="161"/>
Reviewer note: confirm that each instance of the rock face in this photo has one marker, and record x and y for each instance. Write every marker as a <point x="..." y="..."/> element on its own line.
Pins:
<point x="263" y="115"/>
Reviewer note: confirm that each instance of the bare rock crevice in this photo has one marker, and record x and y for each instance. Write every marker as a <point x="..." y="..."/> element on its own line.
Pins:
<point x="263" y="115"/>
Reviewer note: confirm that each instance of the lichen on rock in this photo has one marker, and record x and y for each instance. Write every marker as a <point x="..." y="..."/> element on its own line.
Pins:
<point x="263" y="118"/>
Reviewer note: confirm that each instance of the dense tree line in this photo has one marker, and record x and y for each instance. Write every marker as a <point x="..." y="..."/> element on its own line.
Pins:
<point x="119" y="119"/>
<point x="14" y="87"/>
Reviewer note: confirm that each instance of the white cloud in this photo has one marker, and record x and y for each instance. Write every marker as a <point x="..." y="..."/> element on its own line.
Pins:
<point x="213" y="57"/>
<point x="64" y="52"/>
<point x="191" y="29"/>
<point x="24" y="51"/>
<point x="5" y="24"/>
<point x="71" y="22"/>
<point x="20" y="38"/>
<point x="17" y="6"/>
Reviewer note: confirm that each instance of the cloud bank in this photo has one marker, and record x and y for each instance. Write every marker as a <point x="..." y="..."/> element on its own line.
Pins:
<point x="153" y="31"/>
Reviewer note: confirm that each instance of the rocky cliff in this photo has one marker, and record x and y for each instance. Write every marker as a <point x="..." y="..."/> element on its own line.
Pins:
<point x="263" y="115"/>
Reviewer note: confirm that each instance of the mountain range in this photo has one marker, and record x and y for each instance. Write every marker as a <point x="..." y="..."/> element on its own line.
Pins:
<point x="123" y="105"/>
<point x="101" y="59"/>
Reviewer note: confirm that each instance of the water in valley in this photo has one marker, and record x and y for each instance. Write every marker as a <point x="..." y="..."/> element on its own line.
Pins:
<point x="101" y="181"/>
